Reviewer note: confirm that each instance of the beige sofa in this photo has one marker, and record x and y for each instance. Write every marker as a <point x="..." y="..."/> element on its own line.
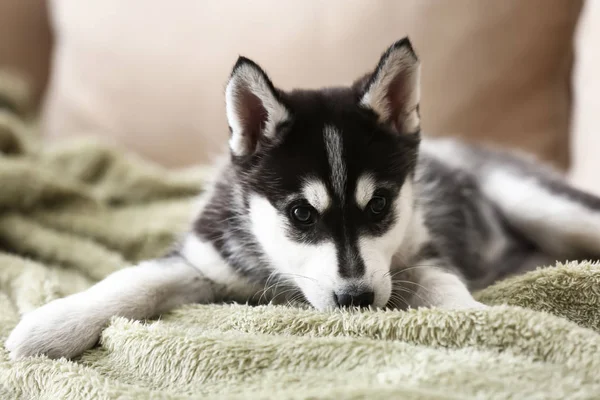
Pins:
<point x="149" y="75"/>
<point x="585" y="132"/>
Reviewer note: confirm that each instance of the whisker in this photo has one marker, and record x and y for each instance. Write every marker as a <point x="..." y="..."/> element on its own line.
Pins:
<point x="413" y="283"/>
<point x="397" y="296"/>
<point x="299" y="276"/>
<point x="413" y="293"/>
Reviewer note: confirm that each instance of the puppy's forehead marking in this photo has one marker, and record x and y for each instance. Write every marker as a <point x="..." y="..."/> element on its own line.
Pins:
<point x="335" y="157"/>
<point x="365" y="187"/>
<point x="316" y="194"/>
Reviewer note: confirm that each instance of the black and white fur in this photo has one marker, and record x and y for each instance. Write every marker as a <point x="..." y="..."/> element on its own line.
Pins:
<point x="331" y="196"/>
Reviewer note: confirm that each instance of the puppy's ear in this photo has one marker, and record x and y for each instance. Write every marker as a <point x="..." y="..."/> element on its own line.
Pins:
<point x="392" y="91"/>
<point x="253" y="107"/>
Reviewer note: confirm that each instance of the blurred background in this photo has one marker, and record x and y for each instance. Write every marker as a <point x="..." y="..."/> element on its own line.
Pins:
<point x="149" y="75"/>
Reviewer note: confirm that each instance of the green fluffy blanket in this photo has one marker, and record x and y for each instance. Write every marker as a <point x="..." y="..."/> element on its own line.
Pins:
<point x="71" y="214"/>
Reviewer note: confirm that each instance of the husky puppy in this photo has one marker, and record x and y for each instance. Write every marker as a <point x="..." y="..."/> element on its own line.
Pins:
<point x="333" y="197"/>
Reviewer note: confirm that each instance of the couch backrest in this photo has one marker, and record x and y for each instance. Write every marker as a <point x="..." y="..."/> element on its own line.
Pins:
<point x="150" y="74"/>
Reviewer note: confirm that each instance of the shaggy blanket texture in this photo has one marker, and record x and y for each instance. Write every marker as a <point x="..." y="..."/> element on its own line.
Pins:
<point x="71" y="214"/>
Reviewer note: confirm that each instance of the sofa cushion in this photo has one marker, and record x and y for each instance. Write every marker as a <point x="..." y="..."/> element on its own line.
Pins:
<point x="150" y="74"/>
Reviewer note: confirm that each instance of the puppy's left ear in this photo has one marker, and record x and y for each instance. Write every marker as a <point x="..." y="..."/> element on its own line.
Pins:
<point x="392" y="91"/>
<point x="254" y="109"/>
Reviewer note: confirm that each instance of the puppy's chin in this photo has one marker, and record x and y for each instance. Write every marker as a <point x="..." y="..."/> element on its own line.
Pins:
<point x="325" y="307"/>
<point x="320" y="299"/>
<point x="324" y="301"/>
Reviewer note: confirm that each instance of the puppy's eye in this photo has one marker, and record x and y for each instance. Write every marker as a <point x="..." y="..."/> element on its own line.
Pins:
<point x="377" y="205"/>
<point x="305" y="215"/>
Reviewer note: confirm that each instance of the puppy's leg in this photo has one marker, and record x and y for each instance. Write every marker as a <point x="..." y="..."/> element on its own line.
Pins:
<point x="68" y="326"/>
<point x="562" y="220"/>
<point x="434" y="286"/>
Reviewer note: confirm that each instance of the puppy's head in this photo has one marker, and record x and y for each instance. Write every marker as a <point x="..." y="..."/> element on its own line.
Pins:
<point x="327" y="175"/>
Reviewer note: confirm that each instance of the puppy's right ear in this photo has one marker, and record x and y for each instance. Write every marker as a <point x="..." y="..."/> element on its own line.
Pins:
<point x="392" y="91"/>
<point x="254" y="109"/>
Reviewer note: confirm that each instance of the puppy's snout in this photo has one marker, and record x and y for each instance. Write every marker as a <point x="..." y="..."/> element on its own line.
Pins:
<point x="347" y="299"/>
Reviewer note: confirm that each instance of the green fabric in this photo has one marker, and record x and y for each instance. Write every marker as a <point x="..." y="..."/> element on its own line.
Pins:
<point x="71" y="214"/>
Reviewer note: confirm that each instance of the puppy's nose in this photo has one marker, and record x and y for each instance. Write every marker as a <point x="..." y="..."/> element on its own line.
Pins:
<point x="363" y="299"/>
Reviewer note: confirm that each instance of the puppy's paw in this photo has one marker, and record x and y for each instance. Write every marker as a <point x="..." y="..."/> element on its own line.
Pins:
<point x="62" y="328"/>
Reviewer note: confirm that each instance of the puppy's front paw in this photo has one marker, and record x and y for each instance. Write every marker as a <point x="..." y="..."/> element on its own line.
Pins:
<point x="62" y="328"/>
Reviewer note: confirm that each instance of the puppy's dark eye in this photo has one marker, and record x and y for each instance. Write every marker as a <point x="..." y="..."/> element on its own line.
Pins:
<point x="305" y="215"/>
<point x="377" y="205"/>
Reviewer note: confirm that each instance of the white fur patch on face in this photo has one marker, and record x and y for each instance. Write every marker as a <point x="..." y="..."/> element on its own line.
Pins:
<point x="315" y="193"/>
<point x="377" y="252"/>
<point x="365" y="187"/>
<point x="248" y="80"/>
<point x="313" y="268"/>
<point x="335" y="156"/>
